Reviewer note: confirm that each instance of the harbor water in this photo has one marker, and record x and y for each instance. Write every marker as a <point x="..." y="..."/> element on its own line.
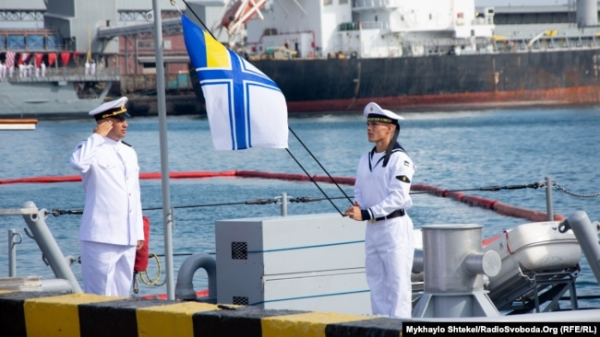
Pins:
<point x="453" y="150"/>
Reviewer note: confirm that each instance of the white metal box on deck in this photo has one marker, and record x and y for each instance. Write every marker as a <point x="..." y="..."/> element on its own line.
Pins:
<point x="304" y="262"/>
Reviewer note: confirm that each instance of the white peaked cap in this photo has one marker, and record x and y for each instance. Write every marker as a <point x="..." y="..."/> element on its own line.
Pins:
<point x="116" y="108"/>
<point x="374" y="108"/>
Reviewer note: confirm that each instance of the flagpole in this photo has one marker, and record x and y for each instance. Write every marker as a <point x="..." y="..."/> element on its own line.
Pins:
<point x="199" y="20"/>
<point x="164" y="160"/>
<point x="314" y="182"/>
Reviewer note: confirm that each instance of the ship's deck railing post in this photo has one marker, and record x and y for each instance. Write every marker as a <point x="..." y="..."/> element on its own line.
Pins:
<point x="14" y="239"/>
<point x="549" y="207"/>
<point x="35" y="219"/>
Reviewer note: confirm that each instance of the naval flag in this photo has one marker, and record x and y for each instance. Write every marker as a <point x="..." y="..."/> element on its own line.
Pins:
<point x="245" y="107"/>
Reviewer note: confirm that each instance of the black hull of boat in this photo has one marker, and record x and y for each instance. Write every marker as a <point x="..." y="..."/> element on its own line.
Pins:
<point x="448" y="82"/>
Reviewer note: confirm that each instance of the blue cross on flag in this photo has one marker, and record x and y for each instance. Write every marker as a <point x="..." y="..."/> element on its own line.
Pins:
<point x="245" y="107"/>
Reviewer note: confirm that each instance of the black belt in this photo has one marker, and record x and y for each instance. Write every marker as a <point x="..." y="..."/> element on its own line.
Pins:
<point x="394" y="214"/>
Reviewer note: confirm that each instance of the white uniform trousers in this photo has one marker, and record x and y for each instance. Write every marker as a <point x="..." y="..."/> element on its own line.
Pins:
<point x="107" y="269"/>
<point x="389" y="249"/>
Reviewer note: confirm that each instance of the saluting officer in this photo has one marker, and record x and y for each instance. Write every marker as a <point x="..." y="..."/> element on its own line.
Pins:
<point x="112" y="226"/>
<point x="381" y="194"/>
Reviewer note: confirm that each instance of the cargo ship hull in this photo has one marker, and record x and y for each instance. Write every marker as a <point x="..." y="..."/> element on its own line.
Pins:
<point x="562" y="77"/>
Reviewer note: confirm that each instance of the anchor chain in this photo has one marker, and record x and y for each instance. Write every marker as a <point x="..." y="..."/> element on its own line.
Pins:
<point x="565" y="191"/>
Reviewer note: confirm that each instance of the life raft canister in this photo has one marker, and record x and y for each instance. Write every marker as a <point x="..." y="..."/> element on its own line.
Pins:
<point x="141" y="256"/>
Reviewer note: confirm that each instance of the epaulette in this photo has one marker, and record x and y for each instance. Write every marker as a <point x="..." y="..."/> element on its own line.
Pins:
<point x="126" y="144"/>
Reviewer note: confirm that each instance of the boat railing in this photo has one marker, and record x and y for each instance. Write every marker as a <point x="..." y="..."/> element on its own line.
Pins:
<point x="39" y="231"/>
<point x="14" y="238"/>
<point x="545" y="43"/>
<point x="445" y="42"/>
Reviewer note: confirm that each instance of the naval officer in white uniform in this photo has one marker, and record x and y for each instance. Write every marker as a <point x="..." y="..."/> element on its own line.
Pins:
<point x="112" y="226"/>
<point x="381" y="194"/>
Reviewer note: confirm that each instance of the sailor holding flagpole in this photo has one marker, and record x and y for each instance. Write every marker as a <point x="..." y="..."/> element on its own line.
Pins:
<point x="381" y="194"/>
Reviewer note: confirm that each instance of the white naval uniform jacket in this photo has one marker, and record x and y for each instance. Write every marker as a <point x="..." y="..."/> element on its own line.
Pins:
<point x="110" y="174"/>
<point x="380" y="189"/>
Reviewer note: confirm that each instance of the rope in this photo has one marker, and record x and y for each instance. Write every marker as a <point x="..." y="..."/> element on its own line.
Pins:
<point x="323" y="168"/>
<point x="158" y="274"/>
<point x="199" y="20"/>
<point x="58" y="212"/>
<point x="249" y="202"/>
<point x="312" y="199"/>
<point x="174" y="4"/>
<point x="314" y="182"/>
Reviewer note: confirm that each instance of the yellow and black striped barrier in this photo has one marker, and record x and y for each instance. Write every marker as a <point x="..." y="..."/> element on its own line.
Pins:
<point x="56" y="314"/>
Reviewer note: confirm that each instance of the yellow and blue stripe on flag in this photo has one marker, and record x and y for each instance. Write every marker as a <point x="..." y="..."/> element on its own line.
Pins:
<point x="245" y="107"/>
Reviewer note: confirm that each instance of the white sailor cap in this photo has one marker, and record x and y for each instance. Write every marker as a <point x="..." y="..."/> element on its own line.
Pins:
<point x="116" y="108"/>
<point x="375" y="113"/>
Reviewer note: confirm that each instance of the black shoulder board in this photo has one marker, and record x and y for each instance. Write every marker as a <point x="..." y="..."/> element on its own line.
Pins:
<point x="126" y="144"/>
<point x="403" y="179"/>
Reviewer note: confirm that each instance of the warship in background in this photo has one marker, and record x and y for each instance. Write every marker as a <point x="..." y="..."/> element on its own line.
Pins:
<point x="55" y="95"/>
<point x="49" y="72"/>
<point x="338" y="55"/>
<point x="67" y="56"/>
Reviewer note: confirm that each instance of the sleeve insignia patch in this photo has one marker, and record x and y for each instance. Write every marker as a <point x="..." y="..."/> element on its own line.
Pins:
<point x="403" y="179"/>
<point x="406" y="163"/>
